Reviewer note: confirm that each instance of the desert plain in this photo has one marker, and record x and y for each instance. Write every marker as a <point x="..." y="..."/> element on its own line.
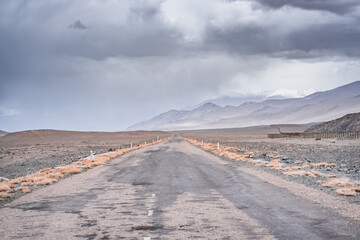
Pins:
<point x="206" y="184"/>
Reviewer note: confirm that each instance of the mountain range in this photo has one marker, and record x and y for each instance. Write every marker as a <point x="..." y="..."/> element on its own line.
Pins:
<point x="316" y="107"/>
<point x="2" y="133"/>
<point x="235" y="99"/>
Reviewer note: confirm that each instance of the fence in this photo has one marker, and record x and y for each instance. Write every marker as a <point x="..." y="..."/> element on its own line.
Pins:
<point x="343" y="135"/>
<point x="285" y="135"/>
<point x="338" y="135"/>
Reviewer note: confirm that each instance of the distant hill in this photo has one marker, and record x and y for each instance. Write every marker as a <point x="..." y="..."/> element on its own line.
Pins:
<point x="2" y="133"/>
<point x="182" y="119"/>
<point x="68" y="137"/>
<point x="317" y="107"/>
<point x="349" y="122"/>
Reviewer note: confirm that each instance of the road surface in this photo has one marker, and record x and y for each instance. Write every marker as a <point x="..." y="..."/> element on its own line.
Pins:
<point x="171" y="190"/>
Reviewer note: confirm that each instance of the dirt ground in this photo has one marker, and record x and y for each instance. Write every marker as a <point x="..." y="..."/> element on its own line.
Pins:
<point x="345" y="153"/>
<point x="23" y="153"/>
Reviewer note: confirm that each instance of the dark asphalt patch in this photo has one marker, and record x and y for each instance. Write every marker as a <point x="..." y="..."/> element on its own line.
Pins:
<point x="45" y="206"/>
<point x="147" y="228"/>
<point x="87" y="236"/>
<point x="69" y="203"/>
<point x="141" y="183"/>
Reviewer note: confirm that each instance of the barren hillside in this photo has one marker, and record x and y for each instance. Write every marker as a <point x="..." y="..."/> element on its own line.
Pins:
<point x="349" y="122"/>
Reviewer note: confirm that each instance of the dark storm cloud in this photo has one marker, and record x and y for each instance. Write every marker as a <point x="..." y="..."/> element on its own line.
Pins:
<point x="144" y="31"/>
<point x="251" y="39"/>
<point x="314" y="41"/>
<point x="334" y="38"/>
<point x="28" y="44"/>
<point x="77" y="24"/>
<point x="335" y="6"/>
<point x="309" y="36"/>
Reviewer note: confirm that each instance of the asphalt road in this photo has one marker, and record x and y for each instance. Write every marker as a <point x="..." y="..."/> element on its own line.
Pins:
<point x="172" y="190"/>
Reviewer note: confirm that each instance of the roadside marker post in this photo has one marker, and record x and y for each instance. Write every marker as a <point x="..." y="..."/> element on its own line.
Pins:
<point x="130" y="145"/>
<point x="150" y="213"/>
<point x="218" y="145"/>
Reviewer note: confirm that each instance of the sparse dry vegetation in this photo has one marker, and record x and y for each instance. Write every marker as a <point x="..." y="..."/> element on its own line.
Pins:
<point x="338" y="182"/>
<point x="323" y="164"/>
<point x="5" y="186"/>
<point x="4" y="195"/>
<point x="342" y="186"/>
<point x="346" y="191"/>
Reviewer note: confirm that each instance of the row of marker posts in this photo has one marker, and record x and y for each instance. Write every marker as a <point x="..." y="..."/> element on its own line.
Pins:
<point x="131" y="145"/>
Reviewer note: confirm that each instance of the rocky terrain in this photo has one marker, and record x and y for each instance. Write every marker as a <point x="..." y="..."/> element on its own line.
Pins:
<point x="23" y="153"/>
<point x="349" y="122"/>
<point x="345" y="153"/>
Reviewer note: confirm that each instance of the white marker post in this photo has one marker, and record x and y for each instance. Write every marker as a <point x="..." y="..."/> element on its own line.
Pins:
<point x="91" y="154"/>
<point x="150" y="213"/>
<point x="218" y="145"/>
<point x="130" y="145"/>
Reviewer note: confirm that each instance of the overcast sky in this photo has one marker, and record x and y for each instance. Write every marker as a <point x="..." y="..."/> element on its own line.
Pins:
<point x="104" y="65"/>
